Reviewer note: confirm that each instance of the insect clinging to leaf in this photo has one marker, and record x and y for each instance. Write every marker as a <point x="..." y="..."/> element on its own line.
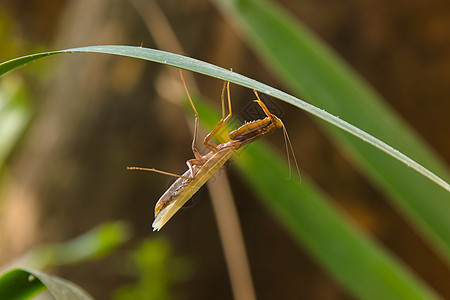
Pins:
<point x="203" y="166"/>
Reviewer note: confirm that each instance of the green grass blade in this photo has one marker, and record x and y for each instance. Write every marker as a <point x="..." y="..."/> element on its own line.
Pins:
<point x="309" y="68"/>
<point x="202" y="67"/>
<point x="360" y="265"/>
<point x="25" y="284"/>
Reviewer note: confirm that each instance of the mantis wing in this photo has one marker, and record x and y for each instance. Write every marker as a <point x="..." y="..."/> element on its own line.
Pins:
<point x="183" y="189"/>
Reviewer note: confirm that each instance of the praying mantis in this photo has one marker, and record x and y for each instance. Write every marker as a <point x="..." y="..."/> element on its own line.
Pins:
<point x="202" y="167"/>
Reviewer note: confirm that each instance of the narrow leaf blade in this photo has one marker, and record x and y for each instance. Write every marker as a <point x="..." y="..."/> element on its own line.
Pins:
<point x="202" y="67"/>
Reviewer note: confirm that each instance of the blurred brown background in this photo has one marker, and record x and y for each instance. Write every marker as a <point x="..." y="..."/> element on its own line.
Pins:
<point x="97" y="114"/>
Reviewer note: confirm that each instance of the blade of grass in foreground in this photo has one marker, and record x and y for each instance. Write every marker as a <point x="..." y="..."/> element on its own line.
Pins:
<point x="311" y="69"/>
<point x="363" y="267"/>
<point x="205" y="68"/>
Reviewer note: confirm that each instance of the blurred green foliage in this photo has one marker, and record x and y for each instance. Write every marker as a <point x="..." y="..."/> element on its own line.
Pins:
<point x="94" y="244"/>
<point x="15" y="114"/>
<point x="157" y="271"/>
<point x="26" y="282"/>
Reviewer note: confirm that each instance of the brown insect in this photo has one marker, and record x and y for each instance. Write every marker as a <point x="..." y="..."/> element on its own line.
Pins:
<point x="202" y="167"/>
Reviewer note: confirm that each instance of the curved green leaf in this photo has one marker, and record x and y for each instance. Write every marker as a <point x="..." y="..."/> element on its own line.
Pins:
<point x="25" y="284"/>
<point x="19" y="284"/>
<point x="202" y="67"/>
